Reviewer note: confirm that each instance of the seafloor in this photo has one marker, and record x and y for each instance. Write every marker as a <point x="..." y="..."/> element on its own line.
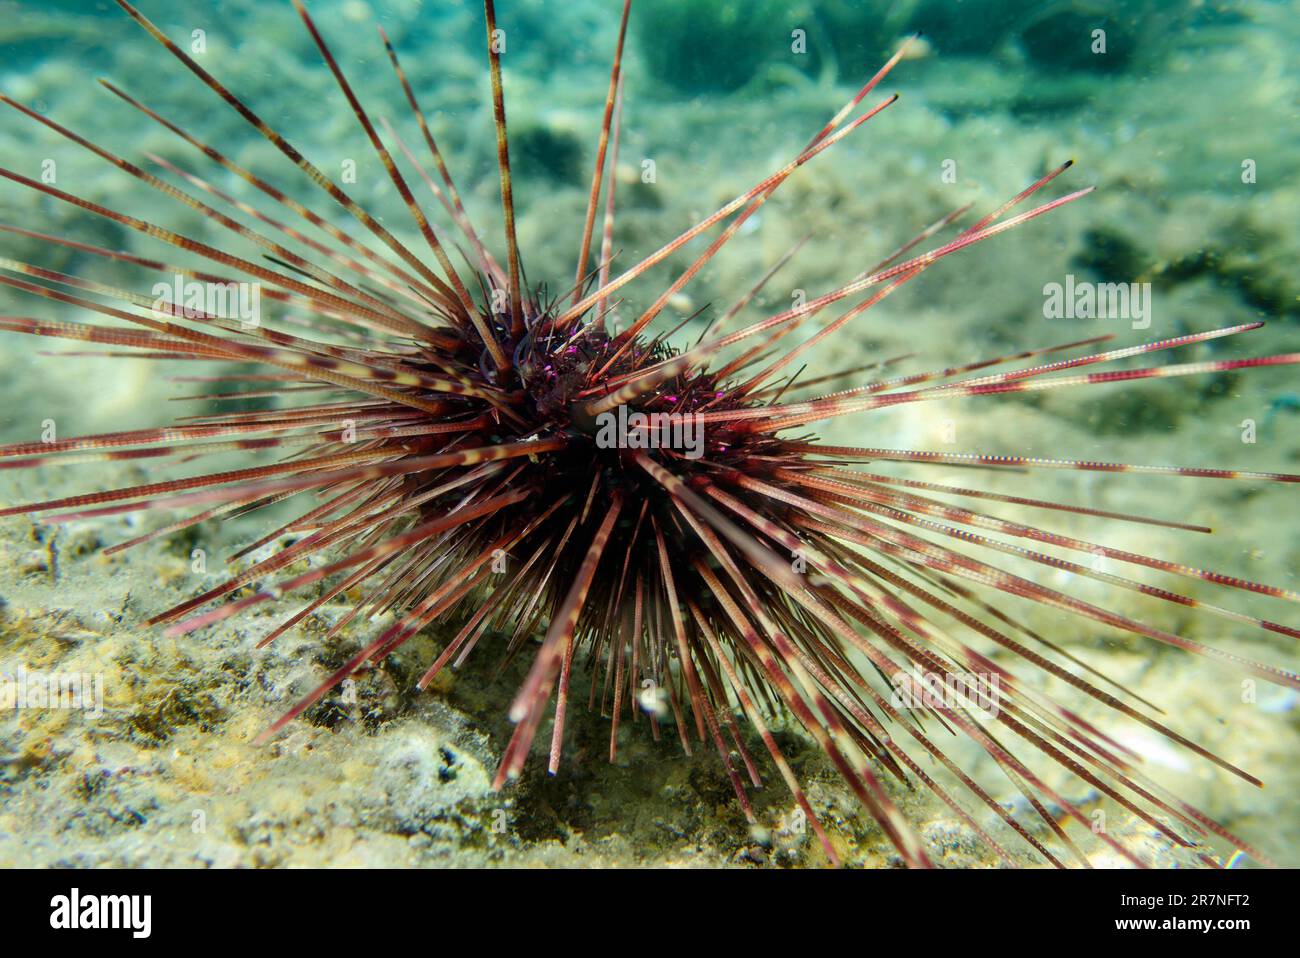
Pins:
<point x="1162" y="125"/>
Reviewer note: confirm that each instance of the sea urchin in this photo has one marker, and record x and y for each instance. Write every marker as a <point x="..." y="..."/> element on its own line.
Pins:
<point x="474" y="449"/>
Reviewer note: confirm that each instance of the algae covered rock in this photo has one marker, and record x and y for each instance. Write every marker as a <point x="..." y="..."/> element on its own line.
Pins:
<point x="710" y="45"/>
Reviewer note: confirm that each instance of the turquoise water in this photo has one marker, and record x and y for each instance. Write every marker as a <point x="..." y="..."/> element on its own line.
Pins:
<point x="1182" y="115"/>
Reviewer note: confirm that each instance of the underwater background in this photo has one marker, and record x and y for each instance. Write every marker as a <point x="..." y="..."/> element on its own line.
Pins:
<point x="1187" y="123"/>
